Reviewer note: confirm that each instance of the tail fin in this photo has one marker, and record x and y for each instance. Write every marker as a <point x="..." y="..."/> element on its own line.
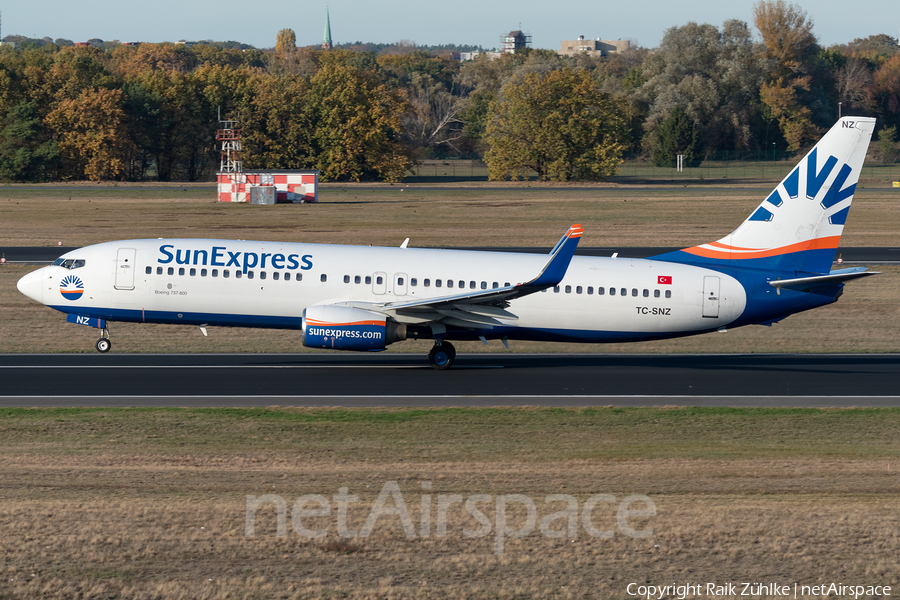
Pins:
<point x="798" y="227"/>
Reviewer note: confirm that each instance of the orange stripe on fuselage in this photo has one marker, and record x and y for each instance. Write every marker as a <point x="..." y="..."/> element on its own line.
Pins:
<point x="330" y="324"/>
<point x="826" y="243"/>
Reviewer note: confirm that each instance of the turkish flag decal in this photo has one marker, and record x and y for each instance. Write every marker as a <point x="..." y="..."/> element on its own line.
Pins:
<point x="664" y="280"/>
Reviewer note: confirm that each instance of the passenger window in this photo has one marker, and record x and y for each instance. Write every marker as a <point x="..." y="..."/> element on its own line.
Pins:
<point x="623" y="292"/>
<point x="378" y="280"/>
<point x="668" y="293"/>
<point x="170" y="271"/>
<point x="262" y="274"/>
<point x="148" y="270"/>
<point x="226" y="273"/>
<point x="601" y="291"/>
<point x="159" y="270"/>
<point x="568" y="289"/>
<point x="298" y="276"/>
<point x="656" y="293"/>
<point x="437" y="283"/>
<point x="276" y="275"/>
<point x="484" y="285"/>
<point x="555" y="289"/>
<point x="449" y="283"/>
<point x="578" y="290"/>
<point x="215" y="272"/>
<point x="323" y="278"/>
<point x="368" y="280"/>
<point x="506" y="284"/>
<point x="193" y="272"/>
<point x="287" y="276"/>
<point x="646" y="293"/>
<point x="203" y="272"/>
<point x="181" y="270"/>
<point x="346" y="279"/>
<point x="612" y="291"/>
<point x="462" y="284"/>
<point x="249" y="274"/>
<point x="414" y="282"/>
<point x="634" y="292"/>
<point x="399" y="281"/>
<point x="495" y="285"/>
<point x="426" y="282"/>
<point x="590" y="290"/>
<point x="357" y="279"/>
<point x="238" y="274"/>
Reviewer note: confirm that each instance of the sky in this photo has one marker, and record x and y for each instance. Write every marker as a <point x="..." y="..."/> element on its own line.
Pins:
<point x="449" y="22"/>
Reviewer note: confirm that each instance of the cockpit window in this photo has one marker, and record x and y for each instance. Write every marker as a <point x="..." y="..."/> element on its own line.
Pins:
<point x="68" y="263"/>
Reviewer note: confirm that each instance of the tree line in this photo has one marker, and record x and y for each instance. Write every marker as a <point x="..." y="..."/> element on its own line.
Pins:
<point x="151" y="111"/>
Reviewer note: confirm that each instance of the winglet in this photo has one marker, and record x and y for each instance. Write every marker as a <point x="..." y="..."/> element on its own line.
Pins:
<point x="560" y="257"/>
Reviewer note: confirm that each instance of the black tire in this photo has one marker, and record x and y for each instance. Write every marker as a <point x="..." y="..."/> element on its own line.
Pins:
<point x="103" y="345"/>
<point x="442" y="357"/>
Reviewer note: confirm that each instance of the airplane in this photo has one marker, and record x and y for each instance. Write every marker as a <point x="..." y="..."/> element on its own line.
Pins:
<point x="362" y="298"/>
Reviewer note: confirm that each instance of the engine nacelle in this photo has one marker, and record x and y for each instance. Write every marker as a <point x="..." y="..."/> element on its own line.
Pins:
<point x="346" y="328"/>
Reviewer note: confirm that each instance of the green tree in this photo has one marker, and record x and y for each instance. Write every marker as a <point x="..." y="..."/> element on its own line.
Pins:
<point x="677" y="134"/>
<point x="558" y="124"/>
<point x="887" y="145"/>
<point x="26" y="152"/>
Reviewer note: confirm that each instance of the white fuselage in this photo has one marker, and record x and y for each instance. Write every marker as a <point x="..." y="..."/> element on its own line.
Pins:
<point x="269" y="284"/>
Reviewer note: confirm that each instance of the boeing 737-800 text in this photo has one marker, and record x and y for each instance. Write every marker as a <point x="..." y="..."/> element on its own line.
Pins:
<point x="776" y="263"/>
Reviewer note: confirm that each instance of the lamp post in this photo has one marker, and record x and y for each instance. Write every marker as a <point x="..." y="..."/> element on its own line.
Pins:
<point x="773" y="151"/>
<point x="839" y="110"/>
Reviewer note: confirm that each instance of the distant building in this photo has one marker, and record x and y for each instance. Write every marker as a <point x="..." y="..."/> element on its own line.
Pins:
<point x="185" y="44"/>
<point x="596" y="47"/>
<point x="12" y="45"/>
<point x="326" y="37"/>
<point x="514" y="40"/>
<point x="461" y="56"/>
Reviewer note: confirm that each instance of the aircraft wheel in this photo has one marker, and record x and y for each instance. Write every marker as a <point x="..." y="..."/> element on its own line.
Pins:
<point x="103" y="345"/>
<point x="442" y="357"/>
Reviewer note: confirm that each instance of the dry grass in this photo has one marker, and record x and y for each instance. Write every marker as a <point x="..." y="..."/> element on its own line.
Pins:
<point x="443" y="215"/>
<point x="151" y="503"/>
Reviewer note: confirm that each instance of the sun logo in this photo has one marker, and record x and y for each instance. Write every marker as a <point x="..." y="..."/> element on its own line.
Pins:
<point x="71" y="287"/>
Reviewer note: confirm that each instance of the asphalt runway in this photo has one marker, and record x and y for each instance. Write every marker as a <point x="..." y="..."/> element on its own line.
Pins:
<point x="365" y="380"/>
<point x="869" y="255"/>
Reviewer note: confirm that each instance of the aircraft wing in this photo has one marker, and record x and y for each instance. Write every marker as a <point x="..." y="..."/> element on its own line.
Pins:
<point x="482" y="309"/>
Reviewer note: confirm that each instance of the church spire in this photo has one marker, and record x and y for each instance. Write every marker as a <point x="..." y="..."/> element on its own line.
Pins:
<point x="326" y="39"/>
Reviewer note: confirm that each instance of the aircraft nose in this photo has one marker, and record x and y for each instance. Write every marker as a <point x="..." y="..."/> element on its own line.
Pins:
<point x="32" y="285"/>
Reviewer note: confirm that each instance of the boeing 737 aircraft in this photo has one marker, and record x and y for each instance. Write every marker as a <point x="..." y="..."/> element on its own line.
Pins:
<point x="777" y="263"/>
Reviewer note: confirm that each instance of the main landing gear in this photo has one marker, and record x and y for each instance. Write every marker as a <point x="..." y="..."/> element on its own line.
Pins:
<point x="442" y="355"/>
<point x="103" y="344"/>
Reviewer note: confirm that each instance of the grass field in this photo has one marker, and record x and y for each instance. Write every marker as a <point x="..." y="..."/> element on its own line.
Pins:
<point x="151" y="503"/>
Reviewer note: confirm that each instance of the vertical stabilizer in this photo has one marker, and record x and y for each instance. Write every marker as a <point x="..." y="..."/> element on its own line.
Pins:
<point x="798" y="226"/>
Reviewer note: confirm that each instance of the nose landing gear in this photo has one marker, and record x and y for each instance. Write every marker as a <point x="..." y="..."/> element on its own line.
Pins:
<point x="442" y="355"/>
<point x="103" y="344"/>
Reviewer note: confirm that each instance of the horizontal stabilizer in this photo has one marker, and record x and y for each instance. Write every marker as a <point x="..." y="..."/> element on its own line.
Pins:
<point x="806" y="284"/>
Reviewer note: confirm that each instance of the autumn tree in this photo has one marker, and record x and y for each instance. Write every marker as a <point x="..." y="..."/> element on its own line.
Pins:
<point x="884" y="93"/>
<point x="356" y="125"/>
<point x="557" y="124"/>
<point x="285" y="42"/>
<point x="92" y="135"/>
